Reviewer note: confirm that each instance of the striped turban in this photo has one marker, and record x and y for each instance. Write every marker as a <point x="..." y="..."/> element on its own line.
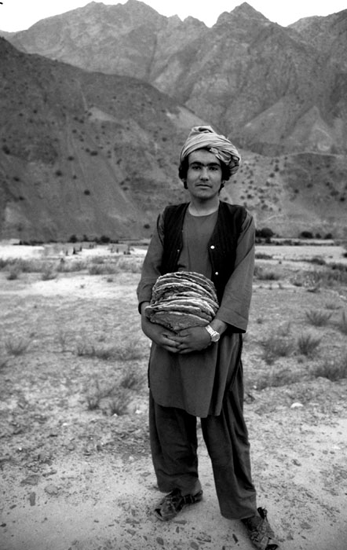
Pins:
<point x="204" y="137"/>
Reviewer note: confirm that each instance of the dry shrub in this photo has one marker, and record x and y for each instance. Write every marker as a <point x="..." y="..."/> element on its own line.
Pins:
<point x="318" y="318"/>
<point x="116" y="398"/>
<point x="127" y="351"/>
<point x="265" y="274"/>
<point x="333" y="369"/>
<point x="308" y="344"/>
<point x="276" y="378"/>
<point x="17" y="346"/>
<point x="277" y="345"/>
<point x="342" y="324"/>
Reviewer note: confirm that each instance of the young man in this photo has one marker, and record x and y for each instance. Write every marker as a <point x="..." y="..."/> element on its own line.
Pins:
<point x="197" y="371"/>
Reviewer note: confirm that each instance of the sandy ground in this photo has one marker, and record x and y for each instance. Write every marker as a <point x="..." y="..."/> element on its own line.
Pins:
<point x="81" y="479"/>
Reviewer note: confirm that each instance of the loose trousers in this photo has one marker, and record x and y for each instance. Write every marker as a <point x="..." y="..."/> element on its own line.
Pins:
<point x="174" y="446"/>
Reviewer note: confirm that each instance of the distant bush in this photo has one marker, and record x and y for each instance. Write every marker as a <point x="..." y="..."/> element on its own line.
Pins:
<point x="264" y="233"/>
<point x="306" y="235"/>
<point x="14" y="273"/>
<point x="263" y="256"/>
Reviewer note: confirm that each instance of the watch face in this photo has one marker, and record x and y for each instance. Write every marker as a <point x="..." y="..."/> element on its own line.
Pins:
<point x="215" y="337"/>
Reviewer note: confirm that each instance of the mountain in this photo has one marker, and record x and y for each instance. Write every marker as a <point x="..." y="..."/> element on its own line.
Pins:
<point x="91" y="138"/>
<point x="274" y="89"/>
<point x="83" y="153"/>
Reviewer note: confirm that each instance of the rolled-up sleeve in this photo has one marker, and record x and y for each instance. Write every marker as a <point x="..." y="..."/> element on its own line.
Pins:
<point x="235" y="305"/>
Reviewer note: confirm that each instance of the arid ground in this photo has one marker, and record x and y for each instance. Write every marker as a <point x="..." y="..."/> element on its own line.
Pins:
<point x="76" y="471"/>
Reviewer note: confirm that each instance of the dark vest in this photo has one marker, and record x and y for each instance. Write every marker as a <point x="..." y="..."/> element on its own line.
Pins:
<point x="221" y="246"/>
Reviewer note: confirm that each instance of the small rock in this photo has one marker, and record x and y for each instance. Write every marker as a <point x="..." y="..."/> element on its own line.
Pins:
<point x="51" y="489"/>
<point x="305" y="525"/>
<point x="31" y="480"/>
<point x="296" y="405"/>
<point x="32" y="499"/>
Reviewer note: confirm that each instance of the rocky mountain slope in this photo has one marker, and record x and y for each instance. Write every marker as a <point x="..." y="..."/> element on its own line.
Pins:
<point x="95" y="153"/>
<point x="274" y="89"/>
<point x="81" y="152"/>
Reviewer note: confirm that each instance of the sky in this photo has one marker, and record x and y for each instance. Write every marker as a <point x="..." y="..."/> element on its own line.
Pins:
<point x="16" y="15"/>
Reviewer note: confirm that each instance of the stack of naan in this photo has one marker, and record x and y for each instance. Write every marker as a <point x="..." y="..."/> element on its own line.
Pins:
<point x="181" y="300"/>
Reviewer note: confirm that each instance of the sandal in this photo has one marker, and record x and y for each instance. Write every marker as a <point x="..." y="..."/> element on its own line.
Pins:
<point x="260" y="532"/>
<point x="173" y="503"/>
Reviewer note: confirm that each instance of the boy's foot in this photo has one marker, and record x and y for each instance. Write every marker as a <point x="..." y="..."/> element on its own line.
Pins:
<point x="173" y="503"/>
<point x="260" y="532"/>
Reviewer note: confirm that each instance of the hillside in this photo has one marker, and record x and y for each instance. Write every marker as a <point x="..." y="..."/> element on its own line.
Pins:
<point x="83" y="152"/>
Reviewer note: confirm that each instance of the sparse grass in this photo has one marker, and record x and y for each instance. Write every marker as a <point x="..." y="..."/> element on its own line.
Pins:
<point x="333" y="369"/>
<point x="263" y="256"/>
<point x="115" y="399"/>
<point x="125" y="352"/>
<point x="276" y="345"/>
<point x="308" y="344"/>
<point x="48" y="273"/>
<point x="97" y="265"/>
<point x="328" y="276"/>
<point x="94" y="351"/>
<point x="275" y="378"/>
<point x="14" y="273"/>
<point x="132" y="379"/>
<point x="103" y="269"/>
<point x="317" y="260"/>
<point x="3" y="363"/>
<point x="71" y="266"/>
<point x="96" y="394"/>
<point x="17" y="346"/>
<point x="318" y="318"/>
<point x="119" y="403"/>
<point x="333" y="306"/>
<point x="63" y="338"/>
<point x="266" y="274"/>
<point x="130" y="351"/>
<point x="342" y="324"/>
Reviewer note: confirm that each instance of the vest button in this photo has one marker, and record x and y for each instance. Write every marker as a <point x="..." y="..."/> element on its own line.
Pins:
<point x="212" y="247"/>
<point x="216" y="273"/>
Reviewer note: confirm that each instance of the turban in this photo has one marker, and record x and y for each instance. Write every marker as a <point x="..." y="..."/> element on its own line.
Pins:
<point x="204" y="137"/>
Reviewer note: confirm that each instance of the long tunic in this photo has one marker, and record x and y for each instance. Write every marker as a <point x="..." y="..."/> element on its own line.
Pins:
<point x="197" y="382"/>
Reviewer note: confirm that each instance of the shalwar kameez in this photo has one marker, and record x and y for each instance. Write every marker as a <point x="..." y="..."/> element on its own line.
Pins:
<point x="206" y="384"/>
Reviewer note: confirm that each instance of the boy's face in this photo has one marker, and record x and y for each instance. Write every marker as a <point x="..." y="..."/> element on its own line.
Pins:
<point x="204" y="175"/>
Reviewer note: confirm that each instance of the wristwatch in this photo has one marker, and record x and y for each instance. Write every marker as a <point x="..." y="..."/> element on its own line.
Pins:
<point x="213" y="333"/>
